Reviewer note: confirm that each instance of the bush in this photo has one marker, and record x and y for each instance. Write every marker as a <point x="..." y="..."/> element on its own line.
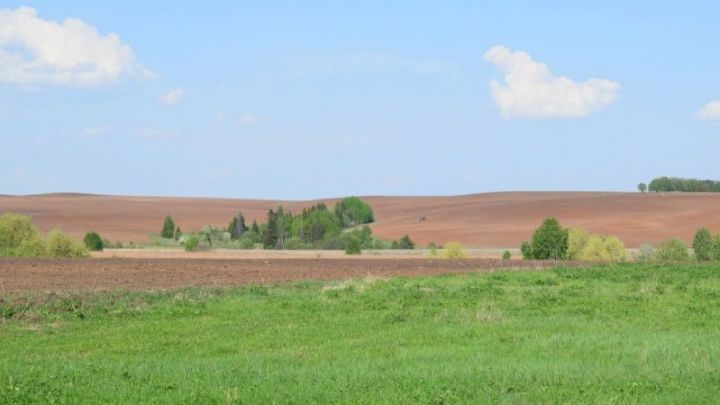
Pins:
<point x="673" y="250"/>
<point x="550" y="241"/>
<point x="715" y="248"/>
<point x="703" y="245"/>
<point x="506" y="255"/>
<point x="60" y="244"/>
<point x="577" y="240"/>
<point x="603" y="248"/>
<point x="646" y="253"/>
<point x="353" y="211"/>
<point x="93" y="241"/>
<point x="246" y="243"/>
<point x="403" y="243"/>
<point x="18" y="235"/>
<point x="352" y="247"/>
<point x="454" y="251"/>
<point x="191" y="242"/>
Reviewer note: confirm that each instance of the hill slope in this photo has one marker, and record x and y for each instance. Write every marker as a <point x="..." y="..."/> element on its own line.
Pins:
<point x="481" y="220"/>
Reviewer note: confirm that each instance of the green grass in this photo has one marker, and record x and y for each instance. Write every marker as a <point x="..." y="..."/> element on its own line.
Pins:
<point x="619" y="334"/>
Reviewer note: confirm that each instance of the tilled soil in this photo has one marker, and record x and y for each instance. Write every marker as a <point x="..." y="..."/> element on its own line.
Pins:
<point x="49" y="275"/>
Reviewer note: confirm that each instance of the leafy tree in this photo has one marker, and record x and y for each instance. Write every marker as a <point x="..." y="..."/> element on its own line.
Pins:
<point x="93" y="241"/>
<point x="19" y="236"/>
<point x="603" y="248"/>
<point x="60" y="244"/>
<point x="353" y="247"/>
<point x="404" y="243"/>
<point x="550" y="241"/>
<point x="191" y="243"/>
<point x="642" y="187"/>
<point x="526" y="250"/>
<point x="506" y="255"/>
<point x="673" y="250"/>
<point x="703" y="244"/>
<point x="353" y="211"/>
<point x="577" y="240"/>
<point x="168" y="229"/>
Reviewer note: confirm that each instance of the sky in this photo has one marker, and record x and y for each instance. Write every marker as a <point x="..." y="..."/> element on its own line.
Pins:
<point x="313" y="99"/>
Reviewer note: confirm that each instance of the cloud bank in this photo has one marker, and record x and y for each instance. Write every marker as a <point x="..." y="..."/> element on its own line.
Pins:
<point x="34" y="50"/>
<point x="531" y="91"/>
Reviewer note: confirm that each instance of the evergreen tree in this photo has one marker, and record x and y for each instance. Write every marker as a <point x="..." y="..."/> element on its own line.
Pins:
<point x="237" y="226"/>
<point x="168" y="229"/>
<point x="269" y="234"/>
<point x="255" y="228"/>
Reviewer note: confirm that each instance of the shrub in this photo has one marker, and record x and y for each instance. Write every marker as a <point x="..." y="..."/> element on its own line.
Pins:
<point x="352" y="247"/>
<point x="17" y="234"/>
<point x="506" y="255"/>
<point x="603" y="248"/>
<point x="646" y="253"/>
<point x="526" y="250"/>
<point x="93" y="241"/>
<point x="673" y="250"/>
<point x="403" y="243"/>
<point x="168" y="229"/>
<point x="703" y="245"/>
<point x="60" y="244"/>
<point x="453" y="250"/>
<point x="577" y="239"/>
<point x="247" y="243"/>
<point x="191" y="242"/>
<point x="715" y="248"/>
<point x="550" y="241"/>
<point x="353" y="211"/>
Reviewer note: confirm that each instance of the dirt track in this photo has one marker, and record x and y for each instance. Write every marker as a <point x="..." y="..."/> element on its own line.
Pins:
<point x="23" y="275"/>
<point x="493" y="220"/>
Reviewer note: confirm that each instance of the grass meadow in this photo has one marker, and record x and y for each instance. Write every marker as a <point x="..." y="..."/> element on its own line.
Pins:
<point x="609" y="334"/>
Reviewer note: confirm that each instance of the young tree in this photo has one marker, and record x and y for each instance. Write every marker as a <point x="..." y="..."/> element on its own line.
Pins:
<point x="178" y="233"/>
<point x="93" y="241"/>
<point x="672" y="250"/>
<point x="269" y="234"/>
<point x="168" y="229"/>
<point x="642" y="187"/>
<point x="550" y="241"/>
<point x="703" y="244"/>
<point x="237" y="226"/>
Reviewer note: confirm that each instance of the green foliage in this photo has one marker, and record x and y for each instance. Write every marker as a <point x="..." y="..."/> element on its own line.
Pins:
<point x="646" y="253"/>
<point x="453" y="251"/>
<point x="577" y="240"/>
<point x="237" y="227"/>
<point x="60" y="244"/>
<point x="550" y="241"/>
<point x="603" y="248"/>
<point x="93" y="241"/>
<point x="353" y="211"/>
<point x="506" y="255"/>
<point x="642" y="187"/>
<point x="191" y="242"/>
<point x="270" y="232"/>
<point x="685" y="185"/>
<point x="715" y="248"/>
<point x="178" y="233"/>
<point x="18" y="236"/>
<point x="703" y="245"/>
<point x="404" y="243"/>
<point x="526" y="251"/>
<point x="352" y="247"/>
<point x="672" y="250"/>
<point x="168" y="229"/>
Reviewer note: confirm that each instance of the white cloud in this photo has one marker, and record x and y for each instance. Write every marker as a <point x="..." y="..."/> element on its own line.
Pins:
<point x="711" y="111"/>
<point x="248" y="119"/>
<point x="34" y="50"/>
<point x="531" y="91"/>
<point x="172" y="97"/>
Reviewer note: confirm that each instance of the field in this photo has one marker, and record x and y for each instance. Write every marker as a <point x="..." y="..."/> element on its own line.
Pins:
<point x="606" y="334"/>
<point x="492" y="220"/>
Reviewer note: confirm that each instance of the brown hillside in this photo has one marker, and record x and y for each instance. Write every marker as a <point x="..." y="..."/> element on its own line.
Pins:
<point x="481" y="220"/>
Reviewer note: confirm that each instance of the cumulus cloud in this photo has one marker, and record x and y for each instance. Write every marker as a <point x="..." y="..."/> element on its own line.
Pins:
<point x="711" y="111"/>
<point x="34" y="50"/>
<point x="172" y="97"/>
<point x="531" y="91"/>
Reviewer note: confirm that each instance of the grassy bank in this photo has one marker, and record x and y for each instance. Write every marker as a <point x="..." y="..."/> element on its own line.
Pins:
<point x="627" y="333"/>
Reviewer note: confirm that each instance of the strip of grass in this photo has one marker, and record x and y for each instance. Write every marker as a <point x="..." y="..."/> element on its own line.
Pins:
<point x="627" y="333"/>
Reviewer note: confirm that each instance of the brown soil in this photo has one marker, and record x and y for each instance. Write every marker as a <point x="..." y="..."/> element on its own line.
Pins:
<point x="52" y="275"/>
<point x="498" y="220"/>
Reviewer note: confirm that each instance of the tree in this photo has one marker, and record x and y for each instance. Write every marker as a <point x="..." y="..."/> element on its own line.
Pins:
<point x="453" y="251"/>
<point x="577" y="240"/>
<point x="93" y="241"/>
<point x="404" y="243"/>
<point x="673" y="250"/>
<point x="269" y="235"/>
<point x="168" y="229"/>
<point x="642" y="187"/>
<point x="19" y="236"/>
<point x="237" y="226"/>
<point x="703" y="245"/>
<point x="178" y="233"/>
<point x="60" y="244"/>
<point x="506" y="255"/>
<point x="255" y="228"/>
<point x="353" y="247"/>
<point x="353" y="211"/>
<point x="550" y="241"/>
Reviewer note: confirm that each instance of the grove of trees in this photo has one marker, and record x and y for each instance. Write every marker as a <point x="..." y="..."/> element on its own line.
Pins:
<point x="669" y="184"/>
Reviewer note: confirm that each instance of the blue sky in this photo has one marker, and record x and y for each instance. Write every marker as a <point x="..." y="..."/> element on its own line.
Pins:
<point x="297" y="100"/>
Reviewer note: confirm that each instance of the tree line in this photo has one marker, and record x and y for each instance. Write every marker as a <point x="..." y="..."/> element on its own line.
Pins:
<point x="670" y="184"/>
